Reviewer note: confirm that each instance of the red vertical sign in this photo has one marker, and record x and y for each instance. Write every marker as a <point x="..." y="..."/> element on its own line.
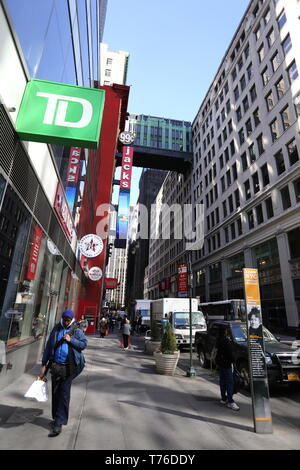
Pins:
<point x="126" y="170"/>
<point x="182" y="279"/>
<point x="34" y="253"/>
<point x="74" y="165"/>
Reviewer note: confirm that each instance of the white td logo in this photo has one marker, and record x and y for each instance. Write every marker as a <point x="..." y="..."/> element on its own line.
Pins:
<point x="63" y="101"/>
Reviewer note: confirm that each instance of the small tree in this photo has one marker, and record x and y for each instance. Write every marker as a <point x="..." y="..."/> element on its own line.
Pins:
<point x="155" y="331"/>
<point x="168" y="342"/>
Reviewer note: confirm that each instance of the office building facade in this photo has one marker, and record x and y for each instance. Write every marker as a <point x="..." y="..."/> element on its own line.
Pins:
<point x="113" y="66"/>
<point x="246" y="165"/>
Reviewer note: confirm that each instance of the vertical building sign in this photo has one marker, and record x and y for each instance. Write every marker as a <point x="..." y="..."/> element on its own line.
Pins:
<point x="34" y="253"/>
<point x="182" y="280"/>
<point x="74" y="165"/>
<point x="124" y="197"/>
<point x="258" y="370"/>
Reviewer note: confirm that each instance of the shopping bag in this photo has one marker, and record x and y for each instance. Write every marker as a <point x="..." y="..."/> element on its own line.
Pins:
<point x="106" y="332"/>
<point x="38" y="391"/>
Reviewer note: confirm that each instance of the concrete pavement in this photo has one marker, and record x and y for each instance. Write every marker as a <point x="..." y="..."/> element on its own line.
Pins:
<point x="119" y="402"/>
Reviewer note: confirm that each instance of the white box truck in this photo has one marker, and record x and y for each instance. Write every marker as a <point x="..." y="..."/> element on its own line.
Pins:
<point x="142" y="311"/>
<point x="177" y="311"/>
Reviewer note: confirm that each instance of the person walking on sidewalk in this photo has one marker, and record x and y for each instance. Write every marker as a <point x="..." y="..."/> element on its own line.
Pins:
<point x="126" y="333"/>
<point x="64" y="350"/>
<point x="225" y="360"/>
<point x="103" y="327"/>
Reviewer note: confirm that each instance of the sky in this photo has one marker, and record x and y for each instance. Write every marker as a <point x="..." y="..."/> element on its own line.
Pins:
<point x="175" y="47"/>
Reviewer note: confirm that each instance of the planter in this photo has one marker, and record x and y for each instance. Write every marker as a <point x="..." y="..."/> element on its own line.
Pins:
<point x="151" y="346"/>
<point x="166" y="363"/>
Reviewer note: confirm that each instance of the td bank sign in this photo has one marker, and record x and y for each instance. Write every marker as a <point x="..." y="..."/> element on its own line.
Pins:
<point x="60" y="114"/>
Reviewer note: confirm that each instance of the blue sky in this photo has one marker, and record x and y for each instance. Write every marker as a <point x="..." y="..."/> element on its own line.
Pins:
<point x="175" y="47"/>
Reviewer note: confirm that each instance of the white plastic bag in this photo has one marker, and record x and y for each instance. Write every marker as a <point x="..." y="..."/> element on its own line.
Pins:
<point x="38" y="390"/>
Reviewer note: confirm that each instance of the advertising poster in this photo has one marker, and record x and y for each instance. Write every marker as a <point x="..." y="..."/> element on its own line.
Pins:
<point x="182" y="280"/>
<point x="122" y="219"/>
<point x="258" y="370"/>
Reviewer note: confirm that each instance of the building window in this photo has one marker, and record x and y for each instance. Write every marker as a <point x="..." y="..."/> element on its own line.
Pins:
<point x="260" y="144"/>
<point x="246" y="104"/>
<point x="293" y="152"/>
<point x="108" y="61"/>
<point x="265" y="174"/>
<point x="224" y="209"/>
<point x="286" y="44"/>
<point x="297" y="189"/>
<point x="255" y="182"/>
<point x="239" y="226"/>
<point x="241" y="136"/>
<point x="280" y="88"/>
<point x="259" y="214"/>
<point x="261" y="53"/>
<point x="226" y="235"/>
<point x="252" y="155"/>
<point x="239" y="114"/>
<point x="270" y="101"/>
<point x="230" y="203"/>
<point x="249" y="72"/>
<point x="281" y="20"/>
<point x="228" y="177"/>
<point x="286" y="118"/>
<point x="244" y="161"/>
<point x="267" y="17"/>
<point x="236" y="93"/>
<point x="232" y="227"/>
<point x="107" y="73"/>
<point x="234" y="172"/>
<point x="265" y="75"/>
<point x="253" y="94"/>
<point x="274" y="130"/>
<point x="237" y="198"/>
<point x="279" y="162"/>
<point x="271" y="38"/>
<point x="269" y="208"/>
<point x="292" y="72"/>
<point x="247" y="190"/>
<point x="243" y="83"/>
<point x="250" y="219"/>
<point x="256" y="116"/>
<point x="285" y="197"/>
<point x="275" y="61"/>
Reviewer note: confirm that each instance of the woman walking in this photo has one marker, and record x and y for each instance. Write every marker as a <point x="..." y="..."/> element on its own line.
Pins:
<point x="126" y="333"/>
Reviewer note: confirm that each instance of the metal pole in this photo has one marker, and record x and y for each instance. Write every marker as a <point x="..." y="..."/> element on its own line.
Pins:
<point x="191" y="371"/>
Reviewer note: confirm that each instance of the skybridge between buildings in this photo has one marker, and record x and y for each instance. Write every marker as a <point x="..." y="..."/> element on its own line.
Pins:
<point x="160" y="159"/>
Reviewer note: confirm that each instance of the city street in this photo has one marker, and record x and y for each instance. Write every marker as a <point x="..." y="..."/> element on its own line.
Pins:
<point x="119" y="402"/>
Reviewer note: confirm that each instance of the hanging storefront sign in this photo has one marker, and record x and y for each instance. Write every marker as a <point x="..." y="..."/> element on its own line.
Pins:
<point x="95" y="273"/>
<point x="182" y="280"/>
<point x="62" y="209"/>
<point x="52" y="247"/>
<point x="91" y="246"/>
<point x="126" y="137"/>
<point x="74" y="165"/>
<point x="60" y="114"/>
<point x="34" y="253"/>
<point x="126" y="170"/>
<point x="110" y="283"/>
<point x="256" y="352"/>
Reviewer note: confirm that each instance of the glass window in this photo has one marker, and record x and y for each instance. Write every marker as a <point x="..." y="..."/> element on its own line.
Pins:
<point x="286" y="117"/>
<point x="256" y="116"/>
<point x="247" y="189"/>
<point x="253" y="94"/>
<point x="267" y="16"/>
<point x="244" y="161"/>
<point x="249" y="127"/>
<point x="252" y="155"/>
<point x="270" y="101"/>
<point x="274" y="130"/>
<point x="236" y="93"/>
<point x="269" y="207"/>
<point x="265" y="75"/>
<point x="287" y="44"/>
<point x="294" y="237"/>
<point x="271" y="38"/>
<point x="255" y="182"/>
<point x="275" y="61"/>
<point x="292" y="72"/>
<point x="243" y="83"/>
<point x="260" y="144"/>
<point x="241" y="136"/>
<point x="246" y="104"/>
<point x="266" y="254"/>
<point x="250" y="219"/>
<point x="281" y="20"/>
<point x="285" y="197"/>
<point x="239" y="114"/>
<point x="261" y="53"/>
<point x="280" y="165"/>
<point x="265" y="174"/>
<point x="292" y="152"/>
<point x="280" y="88"/>
<point x="297" y="189"/>
<point x="224" y="209"/>
<point x="259" y="214"/>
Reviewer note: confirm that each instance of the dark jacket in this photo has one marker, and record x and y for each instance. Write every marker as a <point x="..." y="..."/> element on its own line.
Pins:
<point x="78" y="343"/>
<point x="224" y="357"/>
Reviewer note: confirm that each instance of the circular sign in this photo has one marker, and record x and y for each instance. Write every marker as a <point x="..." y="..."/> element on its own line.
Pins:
<point x="91" y="246"/>
<point x="52" y="248"/>
<point x="126" y="137"/>
<point x="95" y="273"/>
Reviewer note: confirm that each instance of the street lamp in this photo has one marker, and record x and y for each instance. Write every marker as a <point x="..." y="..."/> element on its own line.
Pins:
<point x="191" y="372"/>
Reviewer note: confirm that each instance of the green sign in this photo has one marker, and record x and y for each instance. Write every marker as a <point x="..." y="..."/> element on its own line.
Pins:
<point x="61" y="114"/>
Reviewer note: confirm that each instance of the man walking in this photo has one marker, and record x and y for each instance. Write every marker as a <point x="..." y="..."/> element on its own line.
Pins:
<point x="63" y="349"/>
<point x="225" y="360"/>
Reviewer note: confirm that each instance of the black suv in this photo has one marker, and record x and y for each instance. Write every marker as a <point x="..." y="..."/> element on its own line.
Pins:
<point x="283" y="364"/>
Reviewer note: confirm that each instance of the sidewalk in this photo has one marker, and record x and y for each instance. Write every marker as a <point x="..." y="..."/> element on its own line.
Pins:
<point x="119" y="402"/>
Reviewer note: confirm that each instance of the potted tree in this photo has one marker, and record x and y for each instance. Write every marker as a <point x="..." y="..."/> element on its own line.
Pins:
<point x="166" y="358"/>
<point x="153" y="343"/>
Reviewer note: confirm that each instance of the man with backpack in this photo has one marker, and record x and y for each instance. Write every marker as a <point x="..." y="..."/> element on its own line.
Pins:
<point x="63" y="356"/>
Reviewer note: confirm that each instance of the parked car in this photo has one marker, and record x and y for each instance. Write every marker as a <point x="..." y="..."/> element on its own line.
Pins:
<point x="280" y="358"/>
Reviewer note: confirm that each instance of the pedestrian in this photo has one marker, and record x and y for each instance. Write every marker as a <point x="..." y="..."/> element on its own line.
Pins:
<point x="64" y="351"/>
<point x="103" y="327"/>
<point x="126" y="333"/>
<point x="225" y="360"/>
